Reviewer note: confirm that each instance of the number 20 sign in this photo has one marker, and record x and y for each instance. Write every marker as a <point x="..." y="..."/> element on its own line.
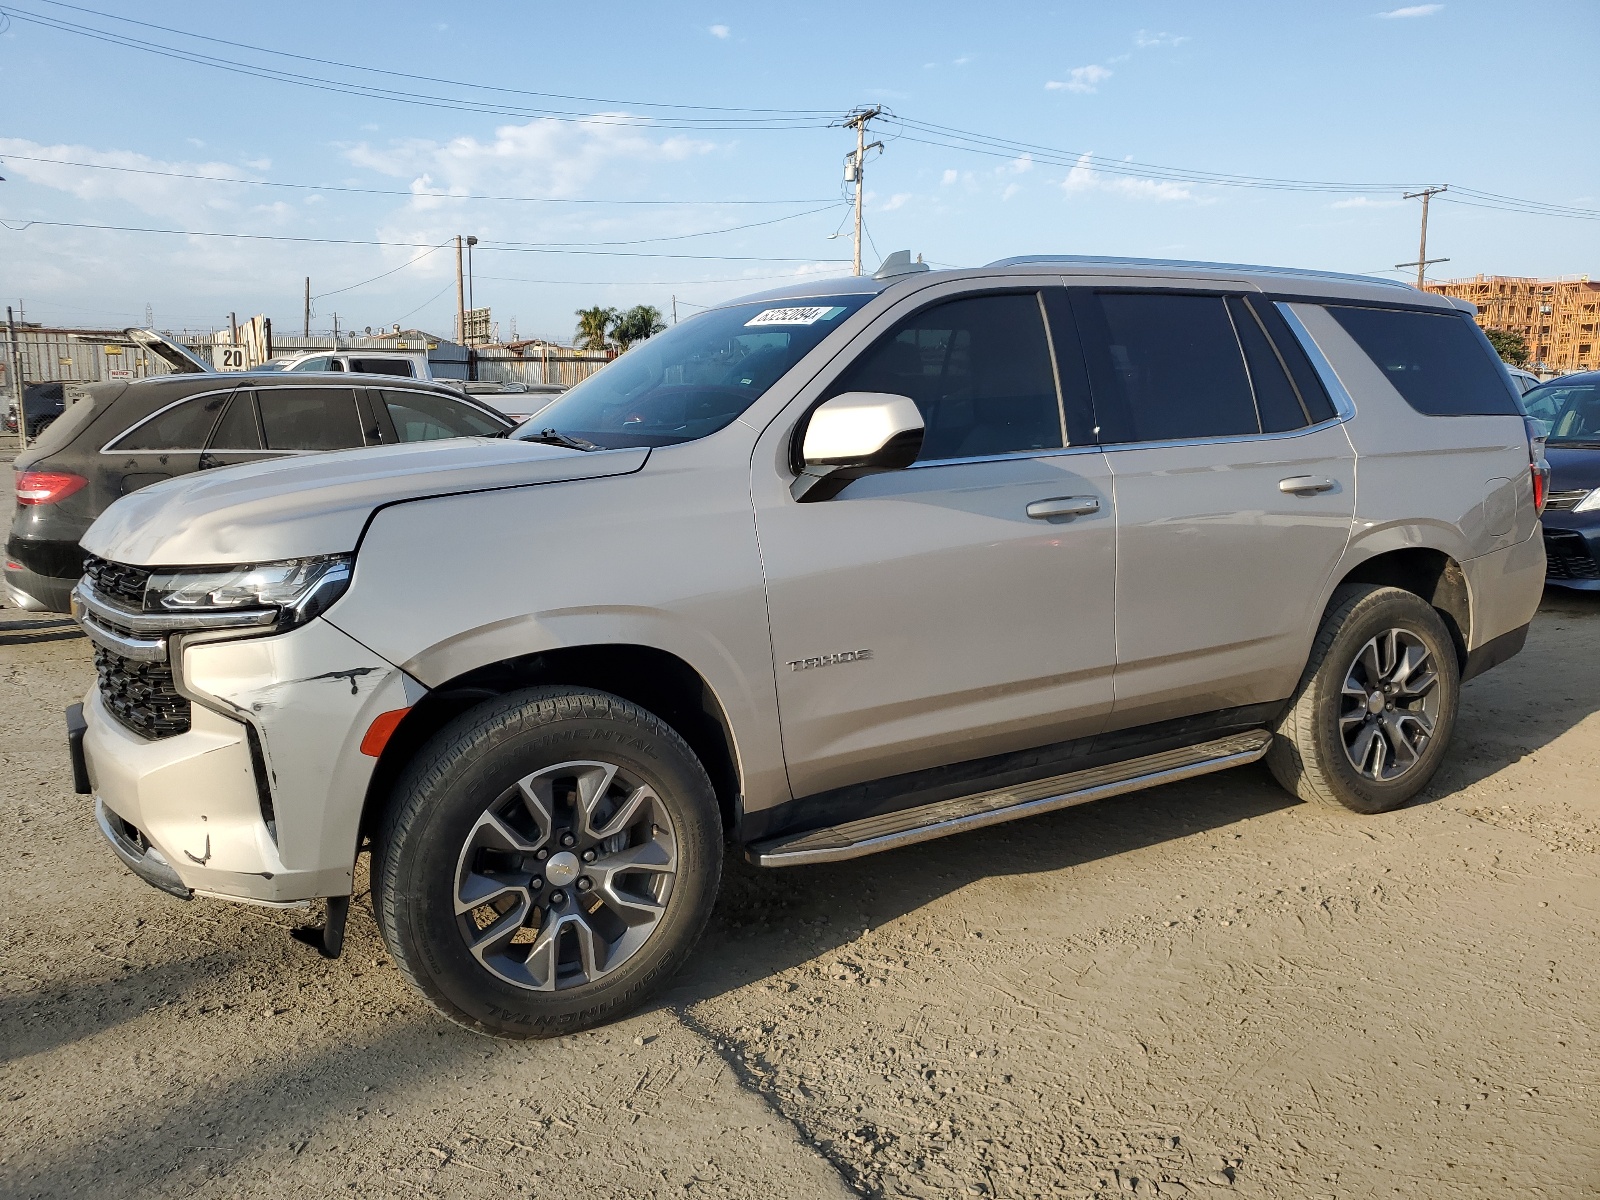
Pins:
<point x="230" y="358"/>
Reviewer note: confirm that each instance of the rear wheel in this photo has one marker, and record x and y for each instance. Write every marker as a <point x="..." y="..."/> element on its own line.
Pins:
<point x="1372" y="717"/>
<point x="548" y="860"/>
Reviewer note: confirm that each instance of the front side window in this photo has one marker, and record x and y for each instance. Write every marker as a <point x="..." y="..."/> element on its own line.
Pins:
<point x="238" y="429"/>
<point x="1166" y="366"/>
<point x="1572" y="410"/>
<point x="696" y="377"/>
<point x="979" y="370"/>
<point x="419" y="417"/>
<point x="181" y="427"/>
<point x="309" y="418"/>
<point x="1440" y="363"/>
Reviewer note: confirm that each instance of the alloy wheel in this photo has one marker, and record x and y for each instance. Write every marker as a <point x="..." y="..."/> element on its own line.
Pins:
<point x="565" y="876"/>
<point x="1389" y="705"/>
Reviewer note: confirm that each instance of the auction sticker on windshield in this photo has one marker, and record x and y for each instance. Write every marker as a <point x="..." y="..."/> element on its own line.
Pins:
<point x="795" y="316"/>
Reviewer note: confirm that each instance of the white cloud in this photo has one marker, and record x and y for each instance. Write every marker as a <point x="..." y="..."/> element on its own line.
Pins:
<point x="1011" y="190"/>
<point x="1410" y="10"/>
<point x="1144" y="39"/>
<point x="542" y="157"/>
<point x="1020" y="165"/>
<point x="1366" y="202"/>
<point x="898" y="200"/>
<point x="950" y="176"/>
<point x="721" y="31"/>
<point x="1083" y="179"/>
<point x="1080" y="79"/>
<point x="177" y="200"/>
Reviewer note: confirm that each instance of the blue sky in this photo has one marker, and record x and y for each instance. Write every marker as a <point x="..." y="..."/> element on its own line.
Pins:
<point x="1364" y="93"/>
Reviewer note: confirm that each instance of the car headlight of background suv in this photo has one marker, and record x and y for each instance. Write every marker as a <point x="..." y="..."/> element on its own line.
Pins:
<point x="299" y="588"/>
<point x="1590" y="503"/>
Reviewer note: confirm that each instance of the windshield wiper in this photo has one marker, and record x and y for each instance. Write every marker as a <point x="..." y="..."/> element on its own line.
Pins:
<point x="555" y="437"/>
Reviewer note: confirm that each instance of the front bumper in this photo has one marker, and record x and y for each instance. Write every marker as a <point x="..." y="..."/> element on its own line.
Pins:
<point x="275" y="822"/>
<point x="1572" y="547"/>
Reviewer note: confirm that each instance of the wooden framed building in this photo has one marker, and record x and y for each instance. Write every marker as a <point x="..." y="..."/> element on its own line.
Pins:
<point x="1559" y="318"/>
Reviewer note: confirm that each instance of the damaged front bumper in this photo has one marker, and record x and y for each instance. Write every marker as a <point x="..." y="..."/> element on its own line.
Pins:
<point x="260" y="800"/>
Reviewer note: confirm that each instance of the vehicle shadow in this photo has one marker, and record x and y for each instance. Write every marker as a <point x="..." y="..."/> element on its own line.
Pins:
<point x="26" y="632"/>
<point x="1526" y="703"/>
<point x="769" y="920"/>
<point x="66" y="1011"/>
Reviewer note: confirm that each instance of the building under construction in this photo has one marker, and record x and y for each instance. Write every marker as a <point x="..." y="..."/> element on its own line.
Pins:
<point x="1557" y="317"/>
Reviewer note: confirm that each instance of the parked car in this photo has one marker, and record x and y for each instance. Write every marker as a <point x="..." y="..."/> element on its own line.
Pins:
<point x="1526" y="381"/>
<point x="814" y="574"/>
<point x="519" y="401"/>
<point x="123" y="437"/>
<point x="1570" y="406"/>
<point x="410" y="364"/>
<point x="43" y="402"/>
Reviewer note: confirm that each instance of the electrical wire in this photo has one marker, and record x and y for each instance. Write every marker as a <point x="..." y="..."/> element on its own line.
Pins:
<point x="328" y="62"/>
<point x="406" y="192"/>
<point x="710" y="123"/>
<point x="24" y="223"/>
<point x="408" y="263"/>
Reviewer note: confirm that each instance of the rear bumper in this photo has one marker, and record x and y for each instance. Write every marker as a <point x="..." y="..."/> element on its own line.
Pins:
<point x="43" y="575"/>
<point x="1504" y="589"/>
<point x="1573" y="554"/>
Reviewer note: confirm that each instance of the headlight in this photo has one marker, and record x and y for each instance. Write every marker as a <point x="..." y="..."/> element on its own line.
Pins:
<point x="300" y="588"/>
<point x="1589" y="503"/>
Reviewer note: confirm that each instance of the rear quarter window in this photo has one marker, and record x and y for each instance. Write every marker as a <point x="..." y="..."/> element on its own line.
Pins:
<point x="1439" y="362"/>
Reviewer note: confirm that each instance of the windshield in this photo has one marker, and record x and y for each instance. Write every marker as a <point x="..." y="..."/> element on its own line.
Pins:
<point x="694" y="378"/>
<point x="1571" y="410"/>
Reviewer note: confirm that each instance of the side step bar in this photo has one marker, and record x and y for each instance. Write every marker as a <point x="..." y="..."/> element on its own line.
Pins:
<point x="909" y="826"/>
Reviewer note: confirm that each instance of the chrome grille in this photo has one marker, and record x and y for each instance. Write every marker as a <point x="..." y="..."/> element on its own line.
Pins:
<point x="1561" y="501"/>
<point x="141" y="695"/>
<point x="117" y="581"/>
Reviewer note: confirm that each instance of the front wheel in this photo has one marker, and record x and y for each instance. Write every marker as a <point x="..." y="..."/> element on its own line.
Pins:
<point x="1372" y="716"/>
<point x="547" y="862"/>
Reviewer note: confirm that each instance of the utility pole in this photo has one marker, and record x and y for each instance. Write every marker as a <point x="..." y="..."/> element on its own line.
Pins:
<point x="674" y="308"/>
<point x="16" y="378"/>
<point x="1423" y="261"/>
<point x="461" y="298"/>
<point x="858" y="120"/>
<point x="305" y="329"/>
<point x="233" y="328"/>
<point x="472" y="301"/>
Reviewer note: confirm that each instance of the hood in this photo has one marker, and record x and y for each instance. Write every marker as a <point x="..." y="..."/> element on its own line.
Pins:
<point x="168" y="351"/>
<point x="1573" y="467"/>
<point x="319" y="503"/>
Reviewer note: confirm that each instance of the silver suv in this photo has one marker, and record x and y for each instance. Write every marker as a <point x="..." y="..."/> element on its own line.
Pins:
<point x="823" y="572"/>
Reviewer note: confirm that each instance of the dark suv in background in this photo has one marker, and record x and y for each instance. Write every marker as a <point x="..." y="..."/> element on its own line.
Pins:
<point x="122" y="437"/>
<point x="1570" y="406"/>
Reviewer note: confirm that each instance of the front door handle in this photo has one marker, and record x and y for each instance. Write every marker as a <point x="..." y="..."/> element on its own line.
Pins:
<point x="1063" y="506"/>
<point x="1305" y="485"/>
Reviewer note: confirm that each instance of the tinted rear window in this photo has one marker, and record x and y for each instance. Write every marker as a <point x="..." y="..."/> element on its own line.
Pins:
<point x="309" y="418"/>
<point x="182" y="427"/>
<point x="383" y="366"/>
<point x="1168" y="367"/>
<point x="1439" y="362"/>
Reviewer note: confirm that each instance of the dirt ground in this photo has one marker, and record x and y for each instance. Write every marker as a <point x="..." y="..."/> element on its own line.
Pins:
<point x="1207" y="990"/>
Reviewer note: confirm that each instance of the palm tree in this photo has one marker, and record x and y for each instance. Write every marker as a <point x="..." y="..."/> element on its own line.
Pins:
<point x="638" y="323"/>
<point x="593" y="324"/>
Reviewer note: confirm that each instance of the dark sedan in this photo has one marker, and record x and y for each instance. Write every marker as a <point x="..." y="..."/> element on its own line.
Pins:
<point x="1570" y="406"/>
<point x="121" y="437"/>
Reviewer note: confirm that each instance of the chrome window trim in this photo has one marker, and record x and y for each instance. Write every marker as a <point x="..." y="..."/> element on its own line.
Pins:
<point x="1114" y="447"/>
<point x="108" y="448"/>
<point x="1343" y="403"/>
<point x="442" y="394"/>
<point x="1009" y="456"/>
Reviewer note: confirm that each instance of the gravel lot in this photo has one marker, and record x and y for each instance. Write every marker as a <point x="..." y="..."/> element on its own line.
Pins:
<point x="1207" y="990"/>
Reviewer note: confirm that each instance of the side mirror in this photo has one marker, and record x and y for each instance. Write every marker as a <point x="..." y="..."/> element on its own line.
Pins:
<point x="856" y="434"/>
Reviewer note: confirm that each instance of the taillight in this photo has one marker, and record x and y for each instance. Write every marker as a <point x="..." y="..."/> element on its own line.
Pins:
<point x="1538" y="465"/>
<point x="1541" y="484"/>
<point x="47" y="487"/>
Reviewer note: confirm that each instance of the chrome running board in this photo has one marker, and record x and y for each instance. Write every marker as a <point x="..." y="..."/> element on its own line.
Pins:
<point x="909" y="826"/>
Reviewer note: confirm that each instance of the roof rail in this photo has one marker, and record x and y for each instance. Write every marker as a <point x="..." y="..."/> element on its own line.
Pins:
<point x="1188" y="264"/>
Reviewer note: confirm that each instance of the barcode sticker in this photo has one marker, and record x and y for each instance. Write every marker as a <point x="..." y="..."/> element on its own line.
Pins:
<point x="794" y="316"/>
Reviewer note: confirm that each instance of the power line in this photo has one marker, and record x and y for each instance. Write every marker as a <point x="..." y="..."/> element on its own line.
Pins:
<point x="408" y="263"/>
<point x="328" y="62"/>
<point x="406" y="192"/>
<point x="710" y="123"/>
<point x="513" y="247"/>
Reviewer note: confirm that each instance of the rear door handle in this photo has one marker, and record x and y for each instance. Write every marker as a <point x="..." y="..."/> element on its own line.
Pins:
<point x="1305" y="485"/>
<point x="1063" y="506"/>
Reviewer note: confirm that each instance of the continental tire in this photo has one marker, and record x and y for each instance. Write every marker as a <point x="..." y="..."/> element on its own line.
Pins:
<point x="547" y="862"/>
<point x="1373" y="713"/>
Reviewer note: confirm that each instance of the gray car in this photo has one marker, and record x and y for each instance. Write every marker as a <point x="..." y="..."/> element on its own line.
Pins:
<point x="818" y="573"/>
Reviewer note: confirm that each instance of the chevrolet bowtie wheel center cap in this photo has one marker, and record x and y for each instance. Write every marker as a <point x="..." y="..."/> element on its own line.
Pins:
<point x="561" y="869"/>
